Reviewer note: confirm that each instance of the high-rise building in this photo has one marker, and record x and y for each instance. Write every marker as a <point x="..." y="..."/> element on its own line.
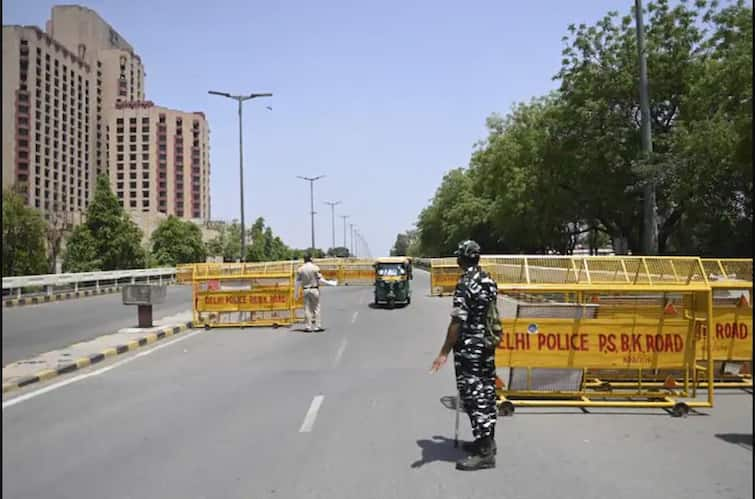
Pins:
<point x="159" y="160"/>
<point x="48" y="145"/>
<point x="71" y="97"/>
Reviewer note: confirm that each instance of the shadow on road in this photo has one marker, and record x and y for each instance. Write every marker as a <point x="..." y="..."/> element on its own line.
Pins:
<point x="740" y="439"/>
<point x="438" y="449"/>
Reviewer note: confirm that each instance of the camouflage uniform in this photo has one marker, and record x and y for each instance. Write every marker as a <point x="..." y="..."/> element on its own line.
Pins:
<point x="474" y="363"/>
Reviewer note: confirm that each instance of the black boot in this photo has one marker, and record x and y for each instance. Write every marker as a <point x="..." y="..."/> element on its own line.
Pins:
<point x="484" y="458"/>
<point x="471" y="447"/>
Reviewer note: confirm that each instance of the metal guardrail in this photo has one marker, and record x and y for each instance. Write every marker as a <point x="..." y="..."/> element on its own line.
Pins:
<point x="76" y="280"/>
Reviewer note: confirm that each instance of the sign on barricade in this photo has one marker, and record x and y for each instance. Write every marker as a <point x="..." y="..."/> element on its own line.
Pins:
<point x="244" y="294"/>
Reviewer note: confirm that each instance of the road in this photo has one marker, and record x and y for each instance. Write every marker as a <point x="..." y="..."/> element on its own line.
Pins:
<point x="349" y="413"/>
<point x="35" y="329"/>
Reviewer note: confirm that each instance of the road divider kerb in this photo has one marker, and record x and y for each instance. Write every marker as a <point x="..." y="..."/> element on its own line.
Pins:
<point x="38" y="300"/>
<point x="83" y="362"/>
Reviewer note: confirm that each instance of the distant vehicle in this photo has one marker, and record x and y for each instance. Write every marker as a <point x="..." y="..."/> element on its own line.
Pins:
<point x="392" y="276"/>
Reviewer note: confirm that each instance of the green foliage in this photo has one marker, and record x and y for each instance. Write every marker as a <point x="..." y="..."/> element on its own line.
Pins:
<point x="23" y="237"/>
<point x="568" y="167"/>
<point x="113" y="241"/>
<point x="81" y="252"/>
<point x="405" y="243"/>
<point x="266" y="246"/>
<point x="338" y="252"/>
<point x="177" y="241"/>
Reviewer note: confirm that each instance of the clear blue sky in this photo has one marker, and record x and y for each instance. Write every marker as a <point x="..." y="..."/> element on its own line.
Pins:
<point x="383" y="97"/>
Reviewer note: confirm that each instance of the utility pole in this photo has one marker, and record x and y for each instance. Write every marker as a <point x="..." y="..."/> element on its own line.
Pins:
<point x="351" y="247"/>
<point x="332" y="205"/>
<point x="344" y="230"/>
<point x="240" y="99"/>
<point x="649" y="215"/>
<point x="311" y="181"/>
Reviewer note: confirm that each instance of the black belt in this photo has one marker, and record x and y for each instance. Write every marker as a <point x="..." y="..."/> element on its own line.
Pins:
<point x="311" y="287"/>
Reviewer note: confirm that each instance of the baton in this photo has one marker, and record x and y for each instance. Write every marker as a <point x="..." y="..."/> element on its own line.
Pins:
<point x="456" y="424"/>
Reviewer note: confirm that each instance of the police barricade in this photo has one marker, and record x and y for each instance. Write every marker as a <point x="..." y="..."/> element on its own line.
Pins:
<point x="567" y="321"/>
<point x="233" y="295"/>
<point x="360" y="272"/>
<point x="731" y="282"/>
<point x="444" y="274"/>
<point x="331" y="268"/>
<point x="184" y="273"/>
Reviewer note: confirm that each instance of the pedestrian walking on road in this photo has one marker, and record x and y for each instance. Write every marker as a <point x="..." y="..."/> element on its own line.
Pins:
<point x="308" y="280"/>
<point x="469" y="335"/>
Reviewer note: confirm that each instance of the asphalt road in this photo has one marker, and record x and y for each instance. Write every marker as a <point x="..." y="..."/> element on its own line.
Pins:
<point x="221" y="414"/>
<point x="35" y="329"/>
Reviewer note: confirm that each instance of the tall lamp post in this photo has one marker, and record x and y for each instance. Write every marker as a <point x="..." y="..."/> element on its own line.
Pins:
<point x="240" y="99"/>
<point x="333" y="205"/>
<point x="344" y="230"/>
<point x="311" y="181"/>
<point x="650" y="218"/>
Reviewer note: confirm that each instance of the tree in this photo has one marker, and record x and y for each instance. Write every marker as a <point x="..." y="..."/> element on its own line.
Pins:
<point x="177" y="241"/>
<point x="81" y="252"/>
<point x="338" y="252"/>
<point x="115" y="238"/>
<point x="405" y="242"/>
<point x="58" y="225"/>
<point x="568" y="167"/>
<point x="23" y="237"/>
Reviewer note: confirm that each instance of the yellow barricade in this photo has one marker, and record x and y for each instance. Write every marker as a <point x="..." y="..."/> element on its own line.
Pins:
<point x="444" y="274"/>
<point x="233" y="295"/>
<point x="571" y="323"/>
<point x="358" y="272"/>
<point x="731" y="281"/>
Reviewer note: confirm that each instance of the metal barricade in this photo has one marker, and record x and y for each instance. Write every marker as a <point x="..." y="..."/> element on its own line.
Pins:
<point x="444" y="274"/>
<point x="570" y="323"/>
<point x="238" y="295"/>
<point x="731" y="282"/>
<point x="359" y="272"/>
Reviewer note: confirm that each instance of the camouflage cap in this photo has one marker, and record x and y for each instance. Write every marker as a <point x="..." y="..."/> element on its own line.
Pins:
<point x="468" y="249"/>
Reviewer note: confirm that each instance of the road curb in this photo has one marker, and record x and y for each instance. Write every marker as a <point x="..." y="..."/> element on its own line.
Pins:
<point x="36" y="300"/>
<point x="83" y="362"/>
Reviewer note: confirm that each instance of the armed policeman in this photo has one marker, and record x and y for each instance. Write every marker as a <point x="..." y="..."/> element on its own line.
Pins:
<point x="469" y="335"/>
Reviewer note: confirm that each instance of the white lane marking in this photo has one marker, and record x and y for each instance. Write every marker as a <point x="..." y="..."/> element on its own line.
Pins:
<point x="309" y="419"/>
<point x="339" y="354"/>
<point x="354" y="317"/>
<point x="41" y="391"/>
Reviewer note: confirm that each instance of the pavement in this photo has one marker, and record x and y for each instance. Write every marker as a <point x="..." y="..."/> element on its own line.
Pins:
<point x="33" y="330"/>
<point x="350" y="412"/>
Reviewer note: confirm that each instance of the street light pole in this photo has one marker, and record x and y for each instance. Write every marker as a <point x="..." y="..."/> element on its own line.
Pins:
<point x="311" y="181"/>
<point x="351" y="246"/>
<point x="332" y="205"/>
<point x="344" y="230"/>
<point x="650" y="223"/>
<point x="240" y="99"/>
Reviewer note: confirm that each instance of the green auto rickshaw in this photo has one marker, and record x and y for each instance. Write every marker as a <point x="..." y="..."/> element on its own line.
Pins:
<point x="392" y="276"/>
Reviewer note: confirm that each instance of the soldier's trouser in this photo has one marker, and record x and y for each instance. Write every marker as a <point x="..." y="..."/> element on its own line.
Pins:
<point x="475" y="380"/>
<point x="312" y="307"/>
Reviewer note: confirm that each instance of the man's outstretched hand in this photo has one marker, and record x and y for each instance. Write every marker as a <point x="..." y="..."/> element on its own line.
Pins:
<point x="438" y="363"/>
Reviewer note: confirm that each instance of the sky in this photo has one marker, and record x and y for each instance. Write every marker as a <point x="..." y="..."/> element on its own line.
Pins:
<point x="382" y="97"/>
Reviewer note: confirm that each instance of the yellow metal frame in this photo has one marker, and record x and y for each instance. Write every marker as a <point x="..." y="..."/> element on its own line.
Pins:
<point x="259" y="280"/>
<point x="581" y="278"/>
